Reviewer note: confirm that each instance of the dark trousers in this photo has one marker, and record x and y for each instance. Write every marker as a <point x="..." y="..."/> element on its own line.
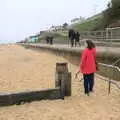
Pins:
<point x="77" y="42"/>
<point x="88" y="82"/>
<point x="72" y="41"/>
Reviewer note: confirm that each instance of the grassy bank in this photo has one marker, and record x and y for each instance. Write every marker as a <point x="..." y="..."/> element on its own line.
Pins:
<point x="91" y="24"/>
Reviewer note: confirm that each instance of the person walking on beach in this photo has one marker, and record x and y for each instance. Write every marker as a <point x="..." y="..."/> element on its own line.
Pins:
<point x="88" y="66"/>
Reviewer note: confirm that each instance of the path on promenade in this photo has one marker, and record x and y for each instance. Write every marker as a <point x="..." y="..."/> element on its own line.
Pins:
<point x="111" y="49"/>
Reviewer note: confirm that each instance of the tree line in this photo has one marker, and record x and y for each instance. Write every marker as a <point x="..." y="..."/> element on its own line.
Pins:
<point x="112" y="14"/>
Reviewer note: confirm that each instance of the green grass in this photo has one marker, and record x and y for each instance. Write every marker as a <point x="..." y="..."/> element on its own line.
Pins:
<point x="58" y="36"/>
<point x="93" y="23"/>
<point x="90" y="25"/>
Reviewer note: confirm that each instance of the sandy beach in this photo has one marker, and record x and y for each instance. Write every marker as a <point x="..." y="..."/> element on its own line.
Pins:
<point x="24" y="69"/>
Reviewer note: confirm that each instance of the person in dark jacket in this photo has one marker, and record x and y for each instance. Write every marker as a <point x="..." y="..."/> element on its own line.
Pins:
<point x="51" y="40"/>
<point x="77" y="39"/>
<point x="47" y="40"/>
<point x="71" y="35"/>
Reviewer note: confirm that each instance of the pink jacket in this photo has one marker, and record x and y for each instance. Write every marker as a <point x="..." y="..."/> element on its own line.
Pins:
<point x="87" y="64"/>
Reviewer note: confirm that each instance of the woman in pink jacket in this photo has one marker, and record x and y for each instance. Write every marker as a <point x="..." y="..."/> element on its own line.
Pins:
<point x="88" y="66"/>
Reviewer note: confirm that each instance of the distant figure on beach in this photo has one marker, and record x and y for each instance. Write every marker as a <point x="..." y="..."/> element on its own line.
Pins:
<point x="71" y="35"/>
<point x="88" y="66"/>
<point x="77" y="38"/>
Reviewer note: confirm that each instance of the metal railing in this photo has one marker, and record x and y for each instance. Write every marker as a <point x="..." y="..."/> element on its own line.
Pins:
<point x="109" y="80"/>
<point x="110" y="66"/>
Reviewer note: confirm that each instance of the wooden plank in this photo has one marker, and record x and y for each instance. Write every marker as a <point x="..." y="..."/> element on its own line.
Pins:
<point x="21" y="97"/>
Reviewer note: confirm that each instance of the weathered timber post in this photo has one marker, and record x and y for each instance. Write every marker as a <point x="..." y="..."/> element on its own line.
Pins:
<point x="63" y="79"/>
<point x="109" y="86"/>
<point x="68" y="87"/>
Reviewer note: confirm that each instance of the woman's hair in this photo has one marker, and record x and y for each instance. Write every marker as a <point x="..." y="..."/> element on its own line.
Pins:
<point x="90" y="44"/>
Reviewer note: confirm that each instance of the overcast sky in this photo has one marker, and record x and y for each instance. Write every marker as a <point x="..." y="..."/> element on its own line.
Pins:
<point x="21" y="18"/>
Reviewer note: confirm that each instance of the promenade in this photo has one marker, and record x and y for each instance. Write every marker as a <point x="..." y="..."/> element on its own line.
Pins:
<point x="103" y="49"/>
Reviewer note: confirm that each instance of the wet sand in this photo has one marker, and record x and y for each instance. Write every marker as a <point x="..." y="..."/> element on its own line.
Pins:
<point x="24" y="69"/>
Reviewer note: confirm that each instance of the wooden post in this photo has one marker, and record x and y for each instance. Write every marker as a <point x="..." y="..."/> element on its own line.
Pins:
<point x="68" y="85"/>
<point x="61" y="68"/>
<point x="62" y="87"/>
<point x="109" y="86"/>
<point x="63" y="79"/>
<point x="58" y="78"/>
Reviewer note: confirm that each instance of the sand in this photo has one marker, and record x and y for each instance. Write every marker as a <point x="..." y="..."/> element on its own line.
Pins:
<point x="24" y="69"/>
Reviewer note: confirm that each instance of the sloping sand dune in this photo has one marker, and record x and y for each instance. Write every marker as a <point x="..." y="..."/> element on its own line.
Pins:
<point x="24" y="69"/>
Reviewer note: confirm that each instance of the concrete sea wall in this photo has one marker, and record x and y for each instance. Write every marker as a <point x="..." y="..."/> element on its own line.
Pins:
<point x="73" y="56"/>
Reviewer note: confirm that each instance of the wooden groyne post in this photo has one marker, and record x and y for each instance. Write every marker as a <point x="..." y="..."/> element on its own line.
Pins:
<point x="63" y="79"/>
